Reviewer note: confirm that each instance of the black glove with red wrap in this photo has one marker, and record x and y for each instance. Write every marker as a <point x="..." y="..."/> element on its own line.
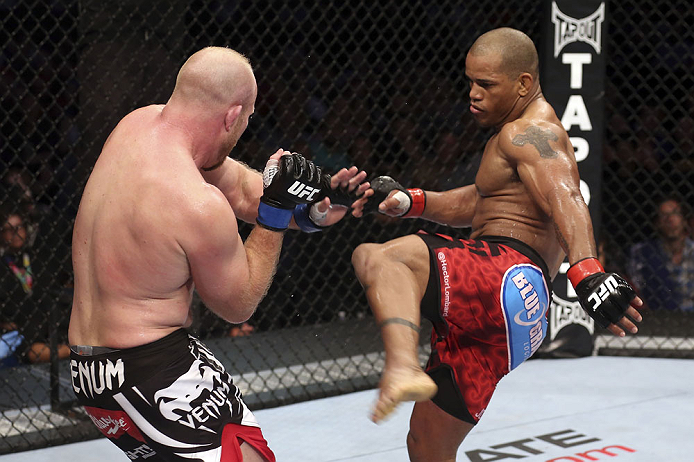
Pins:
<point x="604" y="296"/>
<point x="412" y="201"/>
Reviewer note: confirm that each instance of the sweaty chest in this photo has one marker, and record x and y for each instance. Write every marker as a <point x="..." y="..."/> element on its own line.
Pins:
<point x="495" y="174"/>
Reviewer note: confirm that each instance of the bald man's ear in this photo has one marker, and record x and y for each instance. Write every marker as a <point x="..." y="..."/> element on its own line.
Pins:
<point x="231" y="115"/>
<point x="525" y="81"/>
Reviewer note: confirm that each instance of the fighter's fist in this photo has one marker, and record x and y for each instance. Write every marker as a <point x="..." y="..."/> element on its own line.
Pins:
<point x="288" y="180"/>
<point x="606" y="297"/>
<point x="396" y="201"/>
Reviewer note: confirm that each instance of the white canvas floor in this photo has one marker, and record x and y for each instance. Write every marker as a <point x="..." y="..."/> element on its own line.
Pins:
<point x="547" y="410"/>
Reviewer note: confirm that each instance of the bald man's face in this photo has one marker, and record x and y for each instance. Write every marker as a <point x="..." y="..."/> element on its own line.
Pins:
<point x="492" y="93"/>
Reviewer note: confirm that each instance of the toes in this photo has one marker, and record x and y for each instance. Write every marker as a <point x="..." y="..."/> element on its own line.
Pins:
<point x="383" y="407"/>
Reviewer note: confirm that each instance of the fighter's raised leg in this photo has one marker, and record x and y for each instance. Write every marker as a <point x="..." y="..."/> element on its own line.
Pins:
<point x="394" y="276"/>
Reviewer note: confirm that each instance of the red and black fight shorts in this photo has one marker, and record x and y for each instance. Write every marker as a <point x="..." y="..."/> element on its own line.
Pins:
<point x="169" y="400"/>
<point x="487" y="299"/>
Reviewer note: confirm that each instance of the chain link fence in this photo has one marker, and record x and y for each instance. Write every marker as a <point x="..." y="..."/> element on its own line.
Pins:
<point x="649" y="168"/>
<point x="376" y="84"/>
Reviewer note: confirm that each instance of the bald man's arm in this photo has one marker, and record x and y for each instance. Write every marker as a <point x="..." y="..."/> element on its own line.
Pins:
<point x="241" y="185"/>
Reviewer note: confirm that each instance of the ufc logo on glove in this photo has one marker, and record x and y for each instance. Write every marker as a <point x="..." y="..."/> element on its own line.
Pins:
<point x="600" y="295"/>
<point x="301" y="190"/>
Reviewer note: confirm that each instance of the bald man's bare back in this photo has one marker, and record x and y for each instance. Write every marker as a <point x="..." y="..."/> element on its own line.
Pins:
<point x="126" y="232"/>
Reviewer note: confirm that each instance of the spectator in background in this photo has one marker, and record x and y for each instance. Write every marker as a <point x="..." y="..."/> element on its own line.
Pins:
<point x="26" y="297"/>
<point x="15" y="189"/>
<point x="617" y="154"/>
<point x="662" y="269"/>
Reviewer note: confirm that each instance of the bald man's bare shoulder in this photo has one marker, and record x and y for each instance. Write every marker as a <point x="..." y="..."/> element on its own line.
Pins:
<point x="143" y="113"/>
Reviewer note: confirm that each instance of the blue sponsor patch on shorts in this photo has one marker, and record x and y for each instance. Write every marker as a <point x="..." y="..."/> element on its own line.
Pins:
<point x="524" y="302"/>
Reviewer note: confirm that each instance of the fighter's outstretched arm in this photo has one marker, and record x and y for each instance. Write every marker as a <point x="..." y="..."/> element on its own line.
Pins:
<point x="454" y="207"/>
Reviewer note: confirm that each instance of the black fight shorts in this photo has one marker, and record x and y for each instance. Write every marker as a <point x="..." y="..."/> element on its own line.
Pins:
<point x="169" y="400"/>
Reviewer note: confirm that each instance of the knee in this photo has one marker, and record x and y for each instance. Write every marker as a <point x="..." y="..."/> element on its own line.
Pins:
<point x="364" y="258"/>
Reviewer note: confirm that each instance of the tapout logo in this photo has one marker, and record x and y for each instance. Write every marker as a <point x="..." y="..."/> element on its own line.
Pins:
<point x="568" y="30"/>
<point x="566" y="313"/>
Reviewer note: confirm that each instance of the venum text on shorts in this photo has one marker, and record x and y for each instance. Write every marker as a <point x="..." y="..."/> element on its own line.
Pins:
<point x="93" y="377"/>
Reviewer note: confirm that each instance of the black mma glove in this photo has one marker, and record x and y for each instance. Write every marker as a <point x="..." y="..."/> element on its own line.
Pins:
<point x="308" y="218"/>
<point x="288" y="182"/>
<point x="604" y="296"/>
<point x="339" y="196"/>
<point x="412" y="201"/>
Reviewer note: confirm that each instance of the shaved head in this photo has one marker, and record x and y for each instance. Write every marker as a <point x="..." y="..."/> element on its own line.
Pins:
<point x="215" y="76"/>
<point x="516" y="50"/>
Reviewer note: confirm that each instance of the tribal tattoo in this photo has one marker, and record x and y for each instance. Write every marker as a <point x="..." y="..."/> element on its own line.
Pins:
<point x="540" y="139"/>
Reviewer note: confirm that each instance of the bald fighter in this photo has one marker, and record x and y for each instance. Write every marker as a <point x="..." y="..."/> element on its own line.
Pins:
<point x="157" y="219"/>
<point x="487" y="296"/>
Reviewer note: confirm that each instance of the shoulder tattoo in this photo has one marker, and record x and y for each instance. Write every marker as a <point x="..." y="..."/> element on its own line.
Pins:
<point x="539" y="138"/>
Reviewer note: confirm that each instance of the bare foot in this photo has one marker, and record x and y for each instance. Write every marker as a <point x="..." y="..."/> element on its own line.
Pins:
<point x="402" y="384"/>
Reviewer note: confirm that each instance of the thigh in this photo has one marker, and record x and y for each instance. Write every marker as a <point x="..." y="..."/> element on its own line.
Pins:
<point x="412" y="252"/>
<point x="434" y="434"/>
<point x="401" y="260"/>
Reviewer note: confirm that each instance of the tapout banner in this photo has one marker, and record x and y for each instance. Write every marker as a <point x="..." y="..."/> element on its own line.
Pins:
<point x="572" y="56"/>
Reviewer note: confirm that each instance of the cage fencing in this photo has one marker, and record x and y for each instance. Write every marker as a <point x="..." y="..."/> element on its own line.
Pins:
<point x="376" y="84"/>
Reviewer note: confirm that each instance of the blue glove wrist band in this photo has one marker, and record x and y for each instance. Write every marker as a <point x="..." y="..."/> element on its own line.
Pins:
<point x="273" y="218"/>
<point x="302" y="219"/>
